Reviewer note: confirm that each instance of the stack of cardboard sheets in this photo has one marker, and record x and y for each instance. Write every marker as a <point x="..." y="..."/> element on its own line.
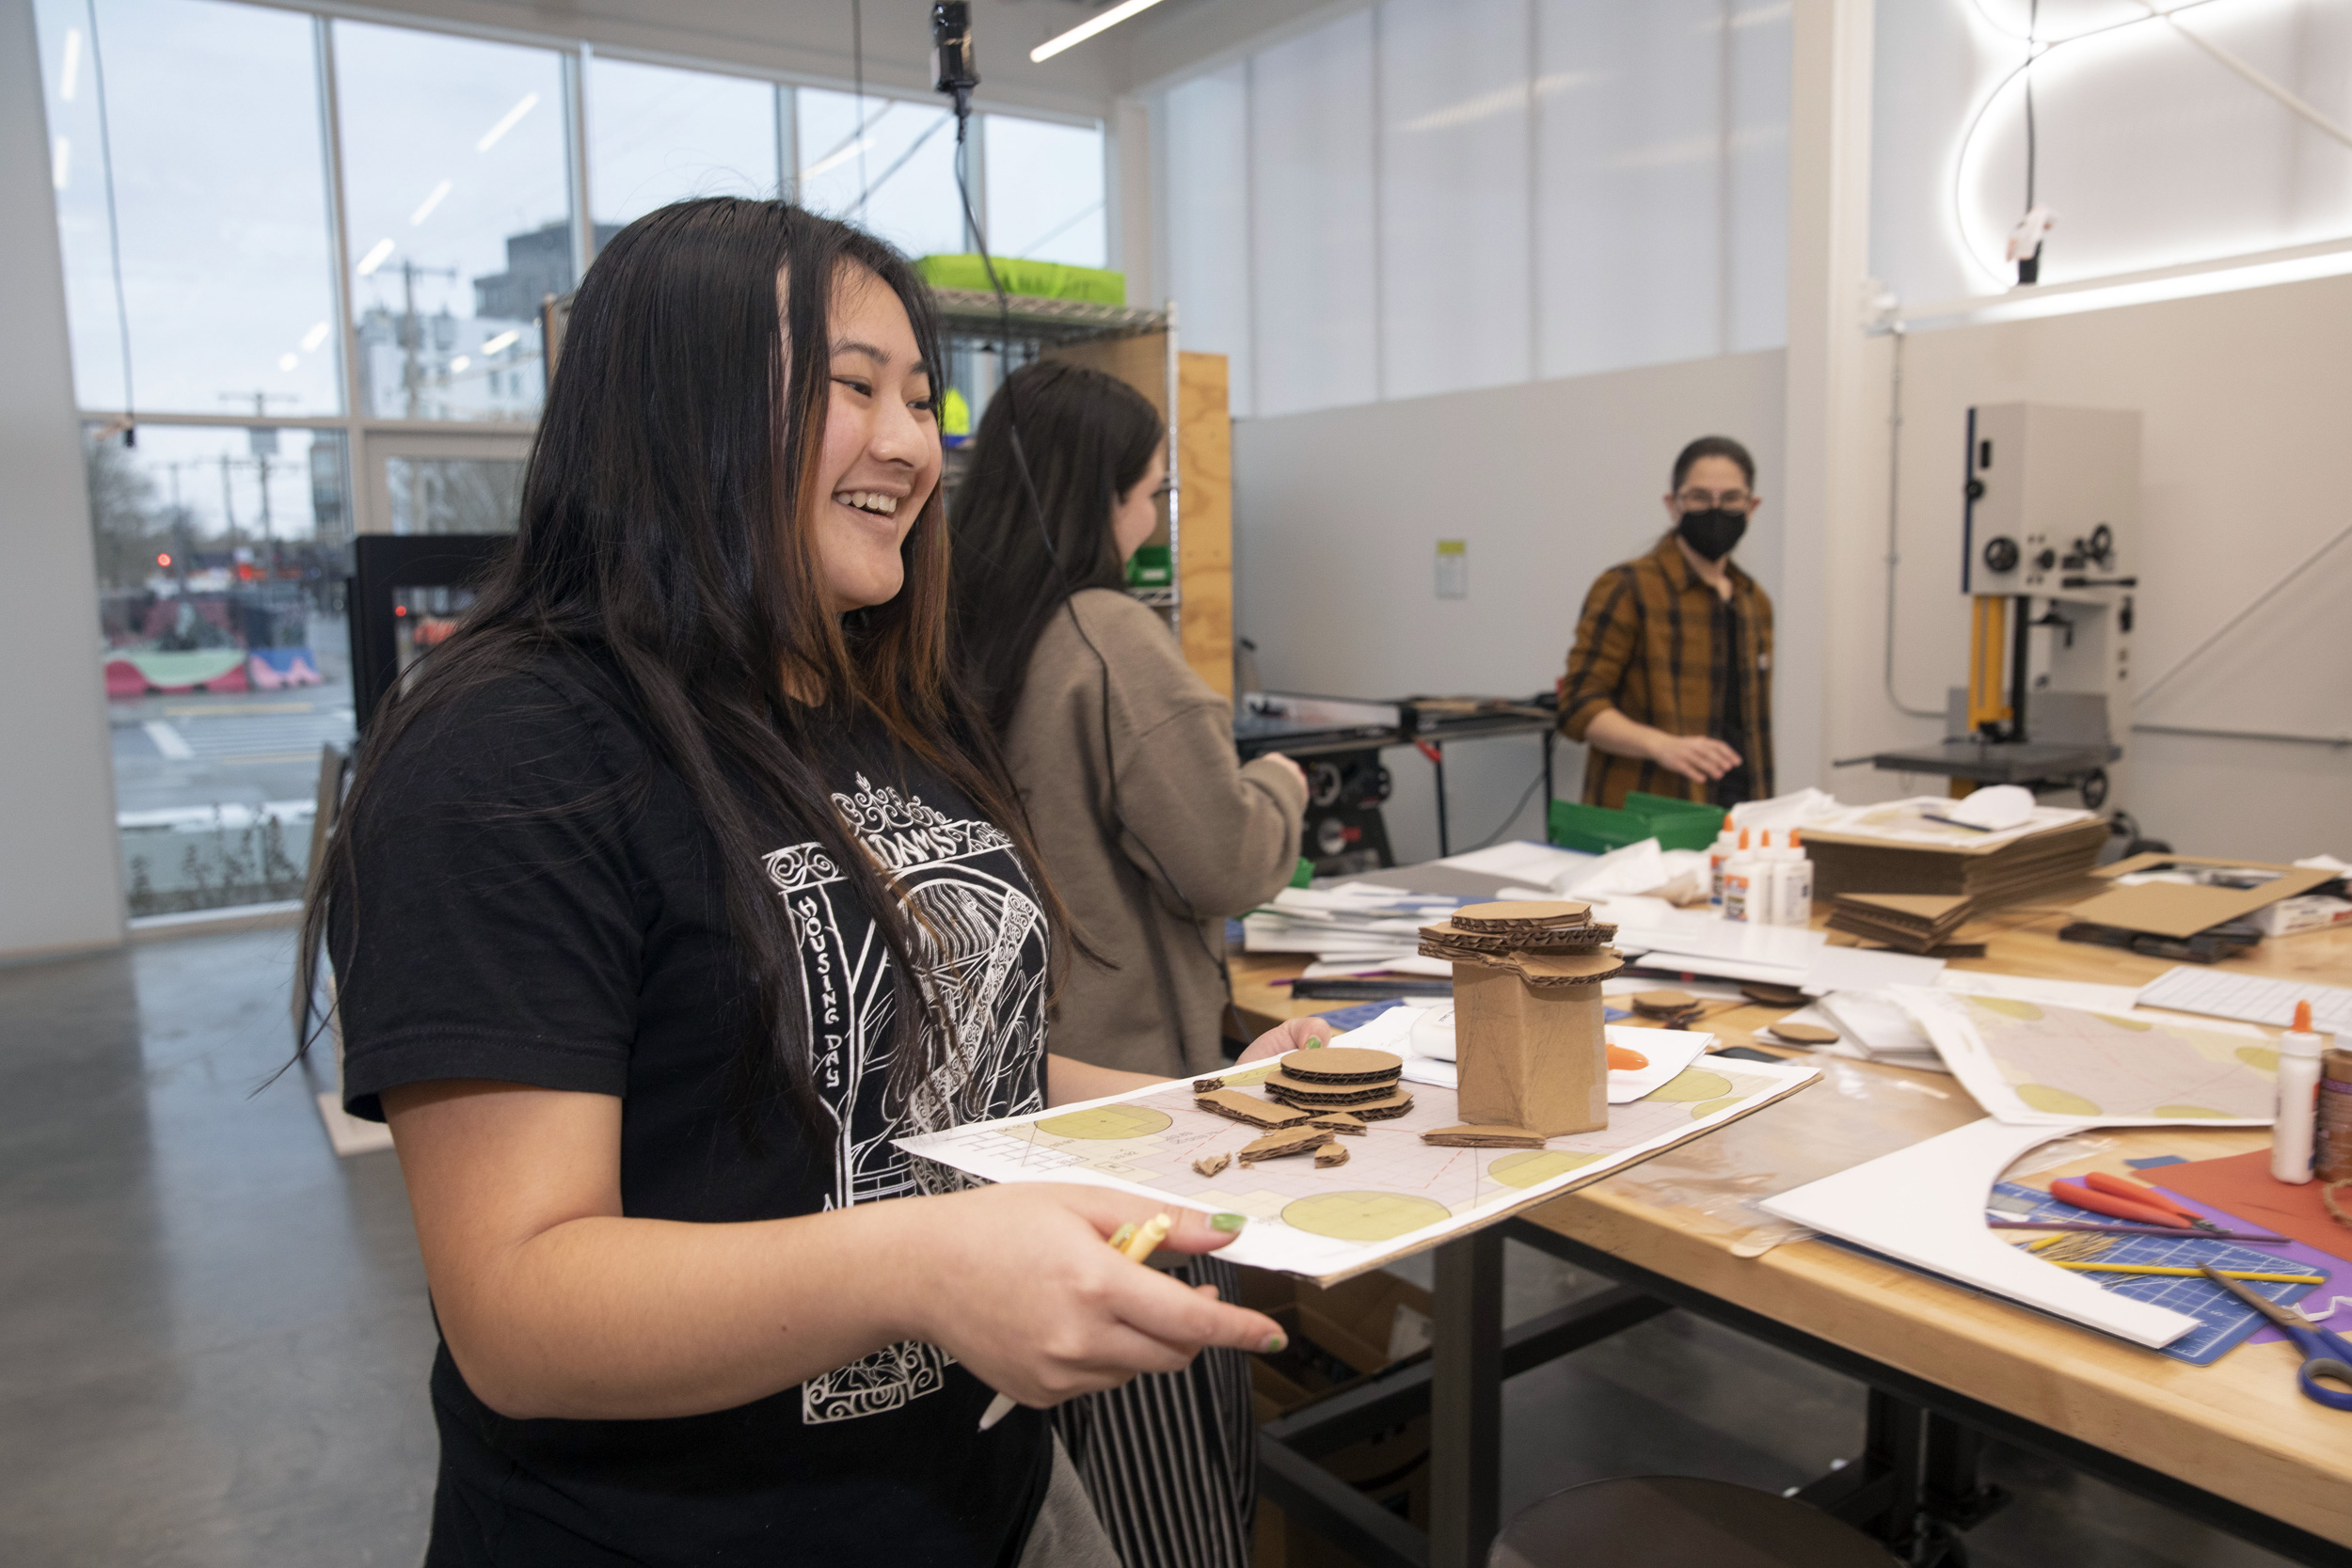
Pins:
<point x="1983" y="875"/>
<point x="1914" y="922"/>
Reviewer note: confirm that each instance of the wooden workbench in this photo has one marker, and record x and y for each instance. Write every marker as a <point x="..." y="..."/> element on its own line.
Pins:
<point x="2239" y="1429"/>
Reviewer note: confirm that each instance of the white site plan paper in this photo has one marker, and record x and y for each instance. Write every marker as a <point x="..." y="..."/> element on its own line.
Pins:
<point x="1396" y="1194"/>
<point x="1424" y="1037"/>
<point x="1925" y="1206"/>
<point x="2034" y="1063"/>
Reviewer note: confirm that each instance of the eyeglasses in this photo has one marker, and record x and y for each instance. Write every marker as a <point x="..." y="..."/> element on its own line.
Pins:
<point x="1703" y="501"/>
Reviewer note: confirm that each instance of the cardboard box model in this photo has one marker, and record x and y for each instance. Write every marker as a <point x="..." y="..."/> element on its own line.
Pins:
<point x="1528" y="1031"/>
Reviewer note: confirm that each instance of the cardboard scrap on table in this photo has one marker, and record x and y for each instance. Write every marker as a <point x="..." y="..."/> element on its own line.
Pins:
<point x="2172" y="910"/>
<point x="1282" y="1145"/>
<point x="2242" y="1185"/>
<point x="1249" y="1108"/>
<point x="1469" y="1136"/>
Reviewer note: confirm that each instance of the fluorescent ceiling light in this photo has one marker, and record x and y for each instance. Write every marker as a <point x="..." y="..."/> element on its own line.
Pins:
<point x="1086" y="30"/>
<point x="71" y="69"/>
<point x="287" y="362"/>
<point x="312" y="339"/>
<point x="507" y="121"/>
<point x="376" y="257"/>
<point x="504" y="340"/>
<point x="424" y="208"/>
<point x="834" y="160"/>
<point x="61" y="162"/>
<point x="461" y="362"/>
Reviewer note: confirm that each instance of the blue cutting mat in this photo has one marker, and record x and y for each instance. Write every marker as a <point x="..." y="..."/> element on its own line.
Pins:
<point x="2222" y="1320"/>
<point x="1344" y="1019"/>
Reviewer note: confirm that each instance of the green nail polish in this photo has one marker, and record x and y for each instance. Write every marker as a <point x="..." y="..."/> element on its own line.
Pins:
<point x="1227" y="1223"/>
<point x="1315" y="1042"/>
<point x="1124" y="1234"/>
<point x="1274" y="1342"/>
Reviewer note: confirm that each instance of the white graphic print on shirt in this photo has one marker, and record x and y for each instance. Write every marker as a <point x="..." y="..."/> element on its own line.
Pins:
<point x="980" y="941"/>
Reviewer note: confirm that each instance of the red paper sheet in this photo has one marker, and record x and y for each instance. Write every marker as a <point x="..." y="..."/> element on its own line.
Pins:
<point x="2242" y="1184"/>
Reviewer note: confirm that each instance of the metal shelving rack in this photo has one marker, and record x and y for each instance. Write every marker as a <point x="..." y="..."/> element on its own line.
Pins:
<point x="1023" y="331"/>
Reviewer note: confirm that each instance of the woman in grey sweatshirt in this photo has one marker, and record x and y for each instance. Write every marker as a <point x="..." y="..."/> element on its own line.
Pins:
<point x="1151" y="832"/>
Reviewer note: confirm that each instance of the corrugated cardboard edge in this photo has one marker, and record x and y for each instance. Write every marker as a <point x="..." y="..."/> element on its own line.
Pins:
<point x="2168" y="909"/>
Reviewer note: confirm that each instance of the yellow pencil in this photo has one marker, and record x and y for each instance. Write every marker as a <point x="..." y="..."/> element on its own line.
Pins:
<point x="1135" y="1243"/>
<point x="2189" y="1274"/>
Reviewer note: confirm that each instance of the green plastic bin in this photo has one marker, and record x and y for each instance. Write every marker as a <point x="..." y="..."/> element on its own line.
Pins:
<point x="1597" y="830"/>
<point x="1033" y="279"/>
<point x="1680" y="824"/>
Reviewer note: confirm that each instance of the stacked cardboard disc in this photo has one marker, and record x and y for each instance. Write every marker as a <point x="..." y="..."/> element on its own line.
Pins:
<point x="1526" y="1017"/>
<point x="1367" y="1084"/>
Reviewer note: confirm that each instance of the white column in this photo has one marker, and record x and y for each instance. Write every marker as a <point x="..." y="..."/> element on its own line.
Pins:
<point x="1128" y="162"/>
<point x="1826" y="495"/>
<point x="60" y="869"/>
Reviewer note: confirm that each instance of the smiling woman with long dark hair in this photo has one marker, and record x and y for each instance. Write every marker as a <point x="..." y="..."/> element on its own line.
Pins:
<point x="678" y="883"/>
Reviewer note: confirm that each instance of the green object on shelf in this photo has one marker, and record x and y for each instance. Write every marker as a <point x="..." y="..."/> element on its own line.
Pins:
<point x="1680" y="824"/>
<point x="1030" y="280"/>
<point x="1597" y="830"/>
<point x="1151" y="566"/>
<point x="1303" y="874"/>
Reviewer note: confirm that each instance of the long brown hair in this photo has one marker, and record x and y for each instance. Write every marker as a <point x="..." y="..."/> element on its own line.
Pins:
<point x="665" y="529"/>
<point x="1026" y="543"/>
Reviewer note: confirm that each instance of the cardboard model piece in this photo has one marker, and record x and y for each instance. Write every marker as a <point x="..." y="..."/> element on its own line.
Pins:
<point x="1527" y="1024"/>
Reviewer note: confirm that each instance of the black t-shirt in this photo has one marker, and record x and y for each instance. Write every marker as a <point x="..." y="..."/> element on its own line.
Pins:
<point x="538" y="901"/>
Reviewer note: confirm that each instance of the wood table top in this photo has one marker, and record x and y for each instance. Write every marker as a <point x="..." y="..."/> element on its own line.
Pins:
<point x="2238" y="1427"/>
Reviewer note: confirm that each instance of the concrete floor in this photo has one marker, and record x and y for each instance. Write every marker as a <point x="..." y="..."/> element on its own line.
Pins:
<point x="215" y="1334"/>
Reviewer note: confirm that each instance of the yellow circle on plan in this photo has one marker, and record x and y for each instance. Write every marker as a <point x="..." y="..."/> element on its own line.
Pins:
<point x="1532" y="1166"/>
<point x="1693" y="1083"/>
<point x="2056" y="1101"/>
<point x="1362" y="1216"/>
<point x="1109" y="1123"/>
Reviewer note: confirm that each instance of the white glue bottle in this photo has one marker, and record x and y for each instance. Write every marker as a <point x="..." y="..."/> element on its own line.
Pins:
<point x="1726" y="845"/>
<point x="2298" y="1100"/>
<point x="1792" y="884"/>
<point x="1744" y="883"/>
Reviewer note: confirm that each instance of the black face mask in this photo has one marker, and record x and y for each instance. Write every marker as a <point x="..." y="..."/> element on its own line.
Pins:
<point x="1712" y="532"/>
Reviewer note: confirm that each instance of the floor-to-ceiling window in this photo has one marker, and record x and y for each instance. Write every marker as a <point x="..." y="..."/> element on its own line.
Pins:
<point x="305" y="264"/>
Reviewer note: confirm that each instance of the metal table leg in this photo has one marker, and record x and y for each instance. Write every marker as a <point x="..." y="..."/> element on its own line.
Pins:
<point x="1465" y="1401"/>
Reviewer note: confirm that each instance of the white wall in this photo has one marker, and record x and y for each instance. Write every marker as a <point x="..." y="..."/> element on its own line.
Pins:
<point x="1337" y="514"/>
<point x="60" y="873"/>
<point x="2245" y="400"/>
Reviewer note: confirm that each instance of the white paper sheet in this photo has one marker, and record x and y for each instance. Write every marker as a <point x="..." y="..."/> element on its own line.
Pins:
<point x="2053" y="993"/>
<point x="1925" y="1206"/>
<point x="1878" y="1028"/>
<point x="1396" y="1194"/>
<point x="2031" y="1064"/>
<point x="2255" y="998"/>
<point x="1522" y="860"/>
<point x="1424" y="1037"/>
<point x="1911" y="821"/>
<point x="1866" y="968"/>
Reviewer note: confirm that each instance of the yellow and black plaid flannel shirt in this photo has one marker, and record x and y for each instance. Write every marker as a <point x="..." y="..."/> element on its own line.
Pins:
<point x="1661" y="646"/>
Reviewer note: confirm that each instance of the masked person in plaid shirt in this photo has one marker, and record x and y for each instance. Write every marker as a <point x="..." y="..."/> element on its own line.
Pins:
<point x="1669" y="685"/>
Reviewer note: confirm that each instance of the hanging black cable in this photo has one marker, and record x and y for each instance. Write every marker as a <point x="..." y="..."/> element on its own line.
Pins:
<point x="857" y="69"/>
<point x="113" y="226"/>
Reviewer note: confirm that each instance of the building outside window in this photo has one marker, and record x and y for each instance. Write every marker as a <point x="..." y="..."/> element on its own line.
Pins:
<point x="304" y="293"/>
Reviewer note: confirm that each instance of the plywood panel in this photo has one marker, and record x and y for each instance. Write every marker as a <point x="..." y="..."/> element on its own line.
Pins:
<point x="1204" y="546"/>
